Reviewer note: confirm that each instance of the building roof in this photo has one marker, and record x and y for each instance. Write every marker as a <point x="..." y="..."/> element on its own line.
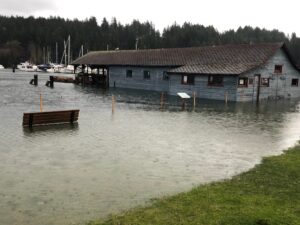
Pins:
<point x="223" y="59"/>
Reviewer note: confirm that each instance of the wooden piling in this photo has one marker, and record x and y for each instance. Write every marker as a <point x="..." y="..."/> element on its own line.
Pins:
<point x="51" y="81"/>
<point x="35" y="79"/>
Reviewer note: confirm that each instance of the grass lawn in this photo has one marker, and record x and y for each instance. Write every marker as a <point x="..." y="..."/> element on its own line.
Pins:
<point x="269" y="194"/>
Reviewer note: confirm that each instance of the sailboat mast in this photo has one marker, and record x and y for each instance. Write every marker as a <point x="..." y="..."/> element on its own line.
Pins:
<point x="56" y="53"/>
<point x="69" y="50"/>
<point x="65" y="52"/>
<point x="81" y="51"/>
<point x="48" y="54"/>
<point x="44" y="54"/>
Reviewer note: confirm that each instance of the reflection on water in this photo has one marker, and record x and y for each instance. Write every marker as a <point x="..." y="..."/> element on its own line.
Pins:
<point x="54" y="129"/>
<point x="70" y="174"/>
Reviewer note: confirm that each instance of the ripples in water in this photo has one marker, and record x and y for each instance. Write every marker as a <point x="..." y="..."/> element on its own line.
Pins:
<point x="107" y="162"/>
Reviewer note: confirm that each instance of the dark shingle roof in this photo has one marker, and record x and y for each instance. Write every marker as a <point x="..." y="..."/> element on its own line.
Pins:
<point x="224" y="59"/>
<point x="219" y="68"/>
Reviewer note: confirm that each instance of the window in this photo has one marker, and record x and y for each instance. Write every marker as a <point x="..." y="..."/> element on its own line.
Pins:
<point x="146" y="75"/>
<point x="265" y="82"/>
<point x="243" y="82"/>
<point x="278" y="69"/>
<point x="128" y="73"/>
<point x="188" y="79"/>
<point x="295" y="82"/>
<point x="165" y="76"/>
<point x="216" y="80"/>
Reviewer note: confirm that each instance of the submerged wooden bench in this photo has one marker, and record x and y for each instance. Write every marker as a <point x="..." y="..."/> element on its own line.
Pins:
<point x="51" y="117"/>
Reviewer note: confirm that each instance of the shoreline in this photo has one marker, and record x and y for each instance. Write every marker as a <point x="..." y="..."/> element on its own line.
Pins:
<point x="267" y="194"/>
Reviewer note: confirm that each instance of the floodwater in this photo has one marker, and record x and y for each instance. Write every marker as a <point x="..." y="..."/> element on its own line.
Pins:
<point x="70" y="174"/>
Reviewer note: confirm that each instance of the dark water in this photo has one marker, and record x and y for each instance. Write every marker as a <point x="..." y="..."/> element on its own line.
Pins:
<point x="109" y="162"/>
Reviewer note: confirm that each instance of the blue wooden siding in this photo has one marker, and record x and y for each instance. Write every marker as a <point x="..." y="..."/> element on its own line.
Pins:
<point x="279" y="84"/>
<point x="203" y="90"/>
<point x="117" y="78"/>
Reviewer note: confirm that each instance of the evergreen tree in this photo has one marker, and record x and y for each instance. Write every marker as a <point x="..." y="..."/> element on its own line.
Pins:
<point x="32" y="38"/>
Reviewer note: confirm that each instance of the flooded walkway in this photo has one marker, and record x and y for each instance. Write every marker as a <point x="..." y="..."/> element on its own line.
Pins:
<point x="69" y="174"/>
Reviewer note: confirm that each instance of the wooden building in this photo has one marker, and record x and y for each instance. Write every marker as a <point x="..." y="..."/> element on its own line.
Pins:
<point x="244" y="72"/>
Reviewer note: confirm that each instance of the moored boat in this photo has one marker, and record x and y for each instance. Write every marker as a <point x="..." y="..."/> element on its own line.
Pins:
<point x="44" y="67"/>
<point x="28" y="67"/>
<point x="56" y="68"/>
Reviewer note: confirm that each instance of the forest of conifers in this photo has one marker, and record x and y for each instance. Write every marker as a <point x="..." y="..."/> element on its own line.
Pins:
<point x="34" y="39"/>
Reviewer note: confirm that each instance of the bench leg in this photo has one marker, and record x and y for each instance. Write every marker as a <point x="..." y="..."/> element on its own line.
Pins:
<point x="72" y="117"/>
<point x="30" y="120"/>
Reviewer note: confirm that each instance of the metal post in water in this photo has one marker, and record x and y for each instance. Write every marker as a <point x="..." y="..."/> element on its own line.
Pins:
<point x="183" y="104"/>
<point x="113" y="103"/>
<point x="226" y="97"/>
<point x="162" y="101"/>
<point x="41" y="102"/>
<point x="194" y="96"/>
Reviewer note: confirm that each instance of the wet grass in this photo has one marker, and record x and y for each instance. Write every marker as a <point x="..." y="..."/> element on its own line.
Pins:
<point x="269" y="194"/>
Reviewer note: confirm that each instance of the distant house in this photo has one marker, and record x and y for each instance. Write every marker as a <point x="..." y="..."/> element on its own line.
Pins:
<point x="244" y="72"/>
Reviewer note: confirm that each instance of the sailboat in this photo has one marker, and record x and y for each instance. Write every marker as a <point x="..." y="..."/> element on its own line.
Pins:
<point x="66" y="57"/>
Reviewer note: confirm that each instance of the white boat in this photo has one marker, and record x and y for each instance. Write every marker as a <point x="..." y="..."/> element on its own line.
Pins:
<point x="87" y="69"/>
<point x="1" y="67"/>
<point x="56" y="68"/>
<point x="28" y="67"/>
<point x="69" y="69"/>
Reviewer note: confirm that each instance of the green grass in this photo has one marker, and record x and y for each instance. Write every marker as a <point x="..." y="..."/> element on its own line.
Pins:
<point x="269" y="194"/>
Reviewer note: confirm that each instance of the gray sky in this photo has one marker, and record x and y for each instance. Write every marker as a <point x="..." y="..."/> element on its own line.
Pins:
<point x="223" y="15"/>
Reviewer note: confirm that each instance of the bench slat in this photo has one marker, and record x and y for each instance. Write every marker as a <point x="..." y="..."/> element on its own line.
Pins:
<point x="50" y="117"/>
<point x="37" y="120"/>
<point x="52" y="112"/>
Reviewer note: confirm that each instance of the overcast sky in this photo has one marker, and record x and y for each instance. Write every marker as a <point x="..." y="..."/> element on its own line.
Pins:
<point x="223" y="15"/>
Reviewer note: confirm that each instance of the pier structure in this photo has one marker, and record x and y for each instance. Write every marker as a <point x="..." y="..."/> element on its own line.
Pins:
<point x="92" y="75"/>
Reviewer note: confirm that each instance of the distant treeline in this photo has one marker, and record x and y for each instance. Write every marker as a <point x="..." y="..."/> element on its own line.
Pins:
<point x="35" y="39"/>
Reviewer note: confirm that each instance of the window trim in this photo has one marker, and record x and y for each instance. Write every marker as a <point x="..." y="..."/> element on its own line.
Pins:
<point x="165" y="76"/>
<point x="246" y="79"/>
<point x="127" y="74"/>
<point x="295" y="85"/>
<point x="190" y="79"/>
<point x="211" y="83"/>
<point x="147" y="75"/>
<point x="250" y="81"/>
<point x="264" y="85"/>
<point x="278" y="69"/>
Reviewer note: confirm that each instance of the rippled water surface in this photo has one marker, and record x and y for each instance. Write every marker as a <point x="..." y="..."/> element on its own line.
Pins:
<point x="69" y="174"/>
